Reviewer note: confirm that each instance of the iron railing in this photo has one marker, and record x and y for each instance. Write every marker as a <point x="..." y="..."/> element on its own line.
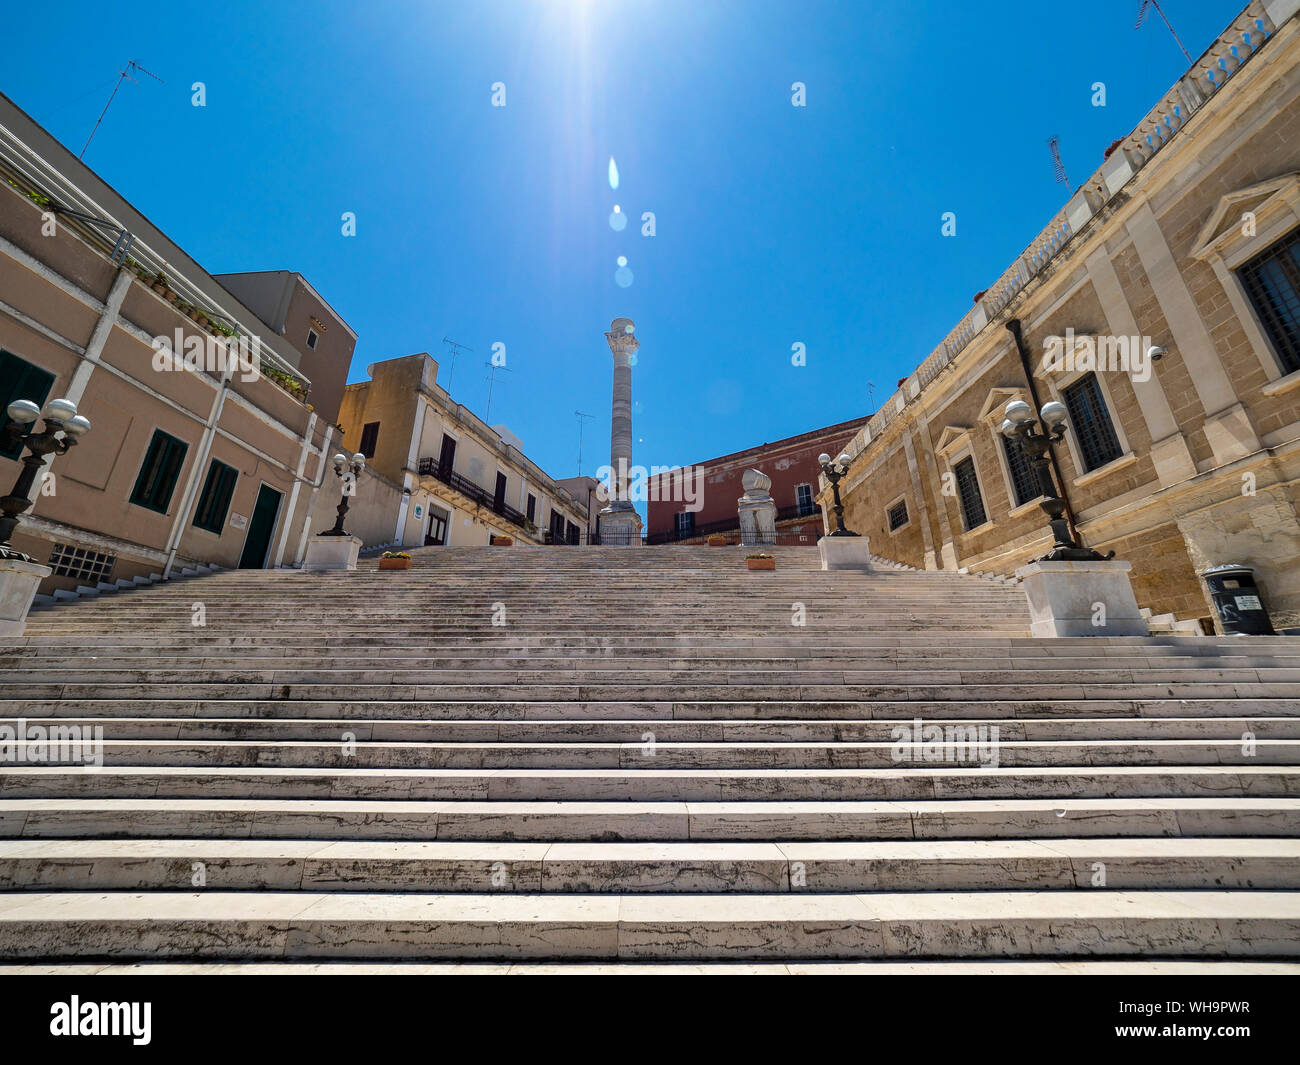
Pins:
<point x="470" y="489"/>
<point x="727" y="525"/>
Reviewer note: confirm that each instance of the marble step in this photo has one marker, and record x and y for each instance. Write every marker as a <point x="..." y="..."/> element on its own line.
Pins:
<point x="346" y="751"/>
<point x="661" y="821"/>
<point x="194" y="925"/>
<point x="271" y="727"/>
<point x="683" y="785"/>
<point x="988" y="967"/>
<point x="894" y="711"/>
<point x="623" y="868"/>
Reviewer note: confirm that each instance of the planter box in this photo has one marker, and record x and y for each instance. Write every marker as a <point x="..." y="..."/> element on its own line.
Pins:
<point x="761" y="563"/>
<point x="394" y="563"/>
<point x="502" y="541"/>
<point x="717" y="540"/>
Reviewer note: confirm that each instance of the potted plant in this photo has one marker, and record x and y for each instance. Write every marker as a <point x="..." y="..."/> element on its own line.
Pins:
<point x="717" y="540"/>
<point x="394" y="560"/>
<point x="501" y="541"/>
<point x="530" y="527"/>
<point x="160" y="283"/>
<point x="760" y="562"/>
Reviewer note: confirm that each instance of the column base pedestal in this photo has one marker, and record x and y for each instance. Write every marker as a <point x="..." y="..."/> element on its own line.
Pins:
<point x="331" y="552"/>
<point x="1081" y="599"/>
<point x="620" y="528"/>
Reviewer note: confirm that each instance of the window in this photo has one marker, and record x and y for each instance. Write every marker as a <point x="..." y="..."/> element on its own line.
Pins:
<point x="160" y="471"/>
<point x="369" y="438"/>
<point x="968" y="492"/>
<point x="1272" y="281"/>
<point x="312" y="338"/>
<point x="81" y="563"/>
<point x="1024" y="481"/>
<point x="19" y="379"/>
<point x="684" y="523"/>
<point x="898" y="515"/>
<point x="1091" y="422"/>
<point x="210" y="514"/>
<point x="557" y="527"/>
<point x="574" y="536"/>
<point x="803" y="497"/>
<point x="531" y="512"/>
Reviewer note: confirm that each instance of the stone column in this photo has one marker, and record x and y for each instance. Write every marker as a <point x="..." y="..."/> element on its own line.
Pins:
<point x="619" y="521"/>
<point x="756" y="510"/>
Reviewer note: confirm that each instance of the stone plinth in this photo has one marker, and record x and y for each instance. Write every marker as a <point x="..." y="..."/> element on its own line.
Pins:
<point x="845" y="552"/>
<point x="620" y="526"/>
<point x="331" y="552"/>
<point x="18" y="583"/>
<point x="1081" y="599"/>
<point x="756" y="509"/>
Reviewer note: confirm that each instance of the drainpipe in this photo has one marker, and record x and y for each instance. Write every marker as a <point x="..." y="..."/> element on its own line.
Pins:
<point x="1013" y="327"/>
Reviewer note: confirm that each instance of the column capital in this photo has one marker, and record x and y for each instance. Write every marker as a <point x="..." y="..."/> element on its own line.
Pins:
<point x="620" y="338"/>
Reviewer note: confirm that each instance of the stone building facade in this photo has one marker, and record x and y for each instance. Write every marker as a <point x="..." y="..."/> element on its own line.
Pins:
<point x="437" y="474"/>
<point x="207" y="458"/>
<point x="790" y="463"/>
<point x="1186" y="239"/>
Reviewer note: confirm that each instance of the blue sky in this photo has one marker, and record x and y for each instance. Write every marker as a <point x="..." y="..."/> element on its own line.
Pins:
<point x="775" y="224"/>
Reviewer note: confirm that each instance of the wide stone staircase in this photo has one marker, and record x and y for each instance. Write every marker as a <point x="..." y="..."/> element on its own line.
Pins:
<point x="526" y="758"/>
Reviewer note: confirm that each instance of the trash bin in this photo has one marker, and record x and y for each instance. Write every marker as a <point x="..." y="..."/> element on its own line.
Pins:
<point x="1236" y="598"/>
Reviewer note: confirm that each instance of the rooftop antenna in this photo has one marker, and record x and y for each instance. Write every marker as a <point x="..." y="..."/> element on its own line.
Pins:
<point x="581" y="418"/>
<point x="455" y="350"/>
<point x="871" y="396"/>
<point x="1058" y="167"/>
<point x="1142" y="14"/>
<point x="492" y="379"/>
<point x="122" y="75"/>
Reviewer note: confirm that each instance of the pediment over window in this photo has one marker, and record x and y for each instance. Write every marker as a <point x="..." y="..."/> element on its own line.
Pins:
<point x="1223" y="231"/>
<point x="996" y="403"/>
<point x="951" y="437"/>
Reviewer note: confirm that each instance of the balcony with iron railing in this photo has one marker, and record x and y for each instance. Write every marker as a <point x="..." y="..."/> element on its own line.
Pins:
<point x="471" y="490"/>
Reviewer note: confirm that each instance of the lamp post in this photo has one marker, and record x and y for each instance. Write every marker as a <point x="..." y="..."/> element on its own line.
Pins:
<point x="1036" y="445"/>
<point x="347" y="470"/>
<point x="834" y="471"/>
<point x="63" y="425"/>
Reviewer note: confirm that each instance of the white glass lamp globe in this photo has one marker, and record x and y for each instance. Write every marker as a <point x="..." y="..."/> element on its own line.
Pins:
<point x="823" y="458"/>
<point x="60" y="410"/>
<point x="76" y="425"/>
<point x="1055" y="413"/>
<point x="1019" y="411"/>
<point x="24" y="411"/>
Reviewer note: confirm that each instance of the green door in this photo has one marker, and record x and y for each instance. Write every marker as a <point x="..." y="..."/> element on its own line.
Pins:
<point x="260" y="529"/>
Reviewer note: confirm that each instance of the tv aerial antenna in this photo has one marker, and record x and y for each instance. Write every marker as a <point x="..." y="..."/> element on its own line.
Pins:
<point x="122" y="75"/>
<point x="582" y="419"/>
<point x="1058" y="167"/>
<point x="1142" y="14"/>
<point x="456" y="349"/>
<point x="492" y="380"/>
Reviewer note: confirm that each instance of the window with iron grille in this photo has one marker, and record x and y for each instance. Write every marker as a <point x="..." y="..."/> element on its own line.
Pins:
<point x="1024" y="481"/>
<point x="81" y="563"/>
<point x="685" y="523"/>
<point x="369" y="438"/>
<point x="968" y="492"/>
<point x="159" y="472"/>
<point x="210" y="514"/>
<point x="20" y="379"/>
<point x="1091" y="422"/>
<point x="1272" y="281"/>
<point x="803" y="497"/>
<point x="898" y="515"/>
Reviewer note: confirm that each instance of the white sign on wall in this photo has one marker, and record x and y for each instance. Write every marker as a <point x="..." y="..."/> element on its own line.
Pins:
<point x="238" y="521"/>
<point x="419" y="511"/>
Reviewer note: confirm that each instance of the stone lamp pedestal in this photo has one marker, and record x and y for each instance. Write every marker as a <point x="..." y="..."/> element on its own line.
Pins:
<point x="1081" y="599"/>
<point x="18" y="583"/>
<point x="845" y="552"/>
<point x="331" y="552"/>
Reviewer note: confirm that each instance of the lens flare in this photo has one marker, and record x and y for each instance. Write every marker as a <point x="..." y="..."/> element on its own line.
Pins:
<point x="613" y="173"/>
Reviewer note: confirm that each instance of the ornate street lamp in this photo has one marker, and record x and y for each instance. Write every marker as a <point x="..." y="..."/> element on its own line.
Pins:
<point x="834" y="471"/>
<point x="1035" y="445"/>
<point x="347" y="470"/>
<point x="63" y="425"/>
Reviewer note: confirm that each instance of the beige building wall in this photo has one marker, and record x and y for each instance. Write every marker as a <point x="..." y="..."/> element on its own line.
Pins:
<point x="1209" y="444"/>
<point x="66" y="308"/>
